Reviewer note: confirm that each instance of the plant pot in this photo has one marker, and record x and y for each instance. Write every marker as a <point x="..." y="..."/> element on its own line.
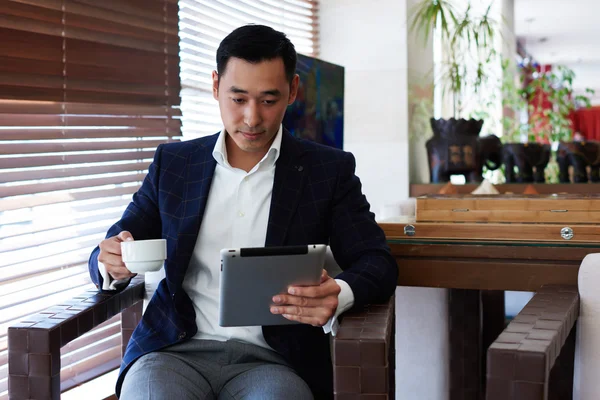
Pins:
<point x="456" y="128"/>
<point x="530" y="160"/>
<point x="457" y="149"/>
<point x="582" y="156"/>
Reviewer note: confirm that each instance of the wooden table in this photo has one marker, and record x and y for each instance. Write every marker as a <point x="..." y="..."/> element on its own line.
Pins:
<point x="480" y="271"/>
<point x="419" y="189"/>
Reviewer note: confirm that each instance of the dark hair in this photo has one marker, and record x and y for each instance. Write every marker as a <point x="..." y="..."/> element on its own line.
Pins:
<point x="256" y="43"/>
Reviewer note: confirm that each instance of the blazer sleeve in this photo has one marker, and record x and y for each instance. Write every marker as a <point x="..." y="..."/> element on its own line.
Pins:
<point x="358" y="243"/>
<point x="141" y="217"/>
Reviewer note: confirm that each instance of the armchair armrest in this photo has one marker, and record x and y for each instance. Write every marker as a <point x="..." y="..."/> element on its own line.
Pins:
<point x="363" y="353"/>
<point x="520" y="360"/>
<point x="34" y="343"/>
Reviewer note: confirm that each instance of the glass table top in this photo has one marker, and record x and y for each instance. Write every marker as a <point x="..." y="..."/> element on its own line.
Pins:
<point x="402" y="220"/>
<point x="474" y="242"/>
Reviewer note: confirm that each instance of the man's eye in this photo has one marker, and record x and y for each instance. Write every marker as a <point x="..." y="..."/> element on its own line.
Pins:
<point x="238" y="101"/>
<point x="269" y="102"/>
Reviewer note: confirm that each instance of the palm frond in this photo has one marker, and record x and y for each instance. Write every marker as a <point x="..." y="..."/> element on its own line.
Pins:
<point x="425" y="15"/>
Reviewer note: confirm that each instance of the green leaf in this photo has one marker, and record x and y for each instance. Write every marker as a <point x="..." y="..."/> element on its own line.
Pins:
<point x="425" y="15"/>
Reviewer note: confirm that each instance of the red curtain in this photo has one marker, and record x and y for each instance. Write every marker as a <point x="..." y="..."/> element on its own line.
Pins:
<point x="586" y="121"/>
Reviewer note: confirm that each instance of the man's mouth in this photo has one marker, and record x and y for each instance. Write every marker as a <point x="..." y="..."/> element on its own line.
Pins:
<point x="251" y="135"/>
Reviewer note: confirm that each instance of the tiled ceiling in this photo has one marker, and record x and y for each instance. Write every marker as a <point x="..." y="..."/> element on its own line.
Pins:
<point x="563" y="32"/>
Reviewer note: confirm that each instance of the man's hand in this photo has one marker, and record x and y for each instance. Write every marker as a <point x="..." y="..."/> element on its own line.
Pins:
<point x="313" y="305"/>
<point x="110" y="256"/>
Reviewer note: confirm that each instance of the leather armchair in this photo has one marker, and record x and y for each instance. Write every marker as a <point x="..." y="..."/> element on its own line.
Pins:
<point x="533" y="357"/>
<point x="363" y="354"/>
<point x="362" y="350"/>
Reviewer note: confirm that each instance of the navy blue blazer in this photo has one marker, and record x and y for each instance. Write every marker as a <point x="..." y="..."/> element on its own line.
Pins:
<point x="316" y="199"/>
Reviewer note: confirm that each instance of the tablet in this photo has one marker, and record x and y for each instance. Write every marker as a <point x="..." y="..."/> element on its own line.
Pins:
<point x="250" y="277"/>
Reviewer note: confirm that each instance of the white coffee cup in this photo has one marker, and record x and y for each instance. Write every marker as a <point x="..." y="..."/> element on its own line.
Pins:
<point x="141" y="256"/>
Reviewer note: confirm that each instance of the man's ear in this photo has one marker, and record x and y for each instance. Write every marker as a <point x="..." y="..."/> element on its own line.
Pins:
<point x="215" y="78"/>
<point x="294" y="89"/>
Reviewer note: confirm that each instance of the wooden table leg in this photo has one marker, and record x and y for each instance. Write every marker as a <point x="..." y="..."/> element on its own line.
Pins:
<point x="465" y="344"/>
<point x="493" y="323"/>
<point x="476" y="320"/>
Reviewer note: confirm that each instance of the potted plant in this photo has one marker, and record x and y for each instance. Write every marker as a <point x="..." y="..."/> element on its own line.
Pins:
<point x="468" y="45"/>
<point x="542" y="103"/>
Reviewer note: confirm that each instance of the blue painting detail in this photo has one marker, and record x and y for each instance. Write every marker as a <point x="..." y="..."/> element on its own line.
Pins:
<point x="318" y="112"/>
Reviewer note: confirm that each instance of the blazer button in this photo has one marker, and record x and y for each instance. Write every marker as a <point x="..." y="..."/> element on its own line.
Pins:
<point x="182" y="336"/>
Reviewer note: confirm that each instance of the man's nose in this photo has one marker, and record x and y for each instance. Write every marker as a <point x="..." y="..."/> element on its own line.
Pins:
<point x="252" y="116"/>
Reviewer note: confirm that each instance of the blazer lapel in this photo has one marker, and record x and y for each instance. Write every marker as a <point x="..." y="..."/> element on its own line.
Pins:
<point x="289" y="180"/>
<point x="200" y="167"/>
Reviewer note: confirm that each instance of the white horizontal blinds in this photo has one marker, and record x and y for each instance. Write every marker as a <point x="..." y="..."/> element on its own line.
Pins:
<point x="204" y="23"/>
<point x="88" y="89"/>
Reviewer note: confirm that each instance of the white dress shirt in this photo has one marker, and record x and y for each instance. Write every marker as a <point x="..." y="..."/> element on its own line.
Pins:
<point x="236" y="215"/>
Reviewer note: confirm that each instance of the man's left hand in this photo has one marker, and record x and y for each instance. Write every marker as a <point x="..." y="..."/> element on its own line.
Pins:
<point x="313" y="305"/>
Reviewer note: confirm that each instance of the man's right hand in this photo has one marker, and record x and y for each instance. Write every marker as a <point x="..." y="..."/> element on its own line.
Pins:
<point x="110" y="256"/>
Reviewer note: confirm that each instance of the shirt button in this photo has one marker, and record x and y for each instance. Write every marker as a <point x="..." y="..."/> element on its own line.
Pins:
<point x="181" y="336"/>
<point x="246" y="179"/>
<point x="241" y="214"/>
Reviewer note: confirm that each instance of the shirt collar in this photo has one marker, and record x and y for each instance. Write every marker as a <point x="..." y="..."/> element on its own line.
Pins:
<point x="220" y="150"/>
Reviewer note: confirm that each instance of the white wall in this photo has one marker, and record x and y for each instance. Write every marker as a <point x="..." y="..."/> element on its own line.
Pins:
<point x="420" y="83"/>
<point x="368" y="38"/>
<point x="509" y="38"/>
<point x="586" y="76"/>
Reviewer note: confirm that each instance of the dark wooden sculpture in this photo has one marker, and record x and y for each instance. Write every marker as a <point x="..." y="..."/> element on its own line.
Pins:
<point x="580" y="155"/>
<point x="457" y="149"/>
<point x="530" y="159"/>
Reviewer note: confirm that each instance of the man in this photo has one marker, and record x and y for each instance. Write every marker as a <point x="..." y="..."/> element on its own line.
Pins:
<point x="251" y="185"/>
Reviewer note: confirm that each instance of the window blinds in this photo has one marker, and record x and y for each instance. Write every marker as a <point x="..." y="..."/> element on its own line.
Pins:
<point x="88" y="89"/>
<point x="204" y="23"/>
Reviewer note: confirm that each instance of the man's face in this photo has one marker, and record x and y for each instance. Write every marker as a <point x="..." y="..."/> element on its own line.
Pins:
<point x="253" y="99"/>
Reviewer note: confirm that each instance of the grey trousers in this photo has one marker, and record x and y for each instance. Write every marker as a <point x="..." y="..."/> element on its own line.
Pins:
<point x="207" y="369"/>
